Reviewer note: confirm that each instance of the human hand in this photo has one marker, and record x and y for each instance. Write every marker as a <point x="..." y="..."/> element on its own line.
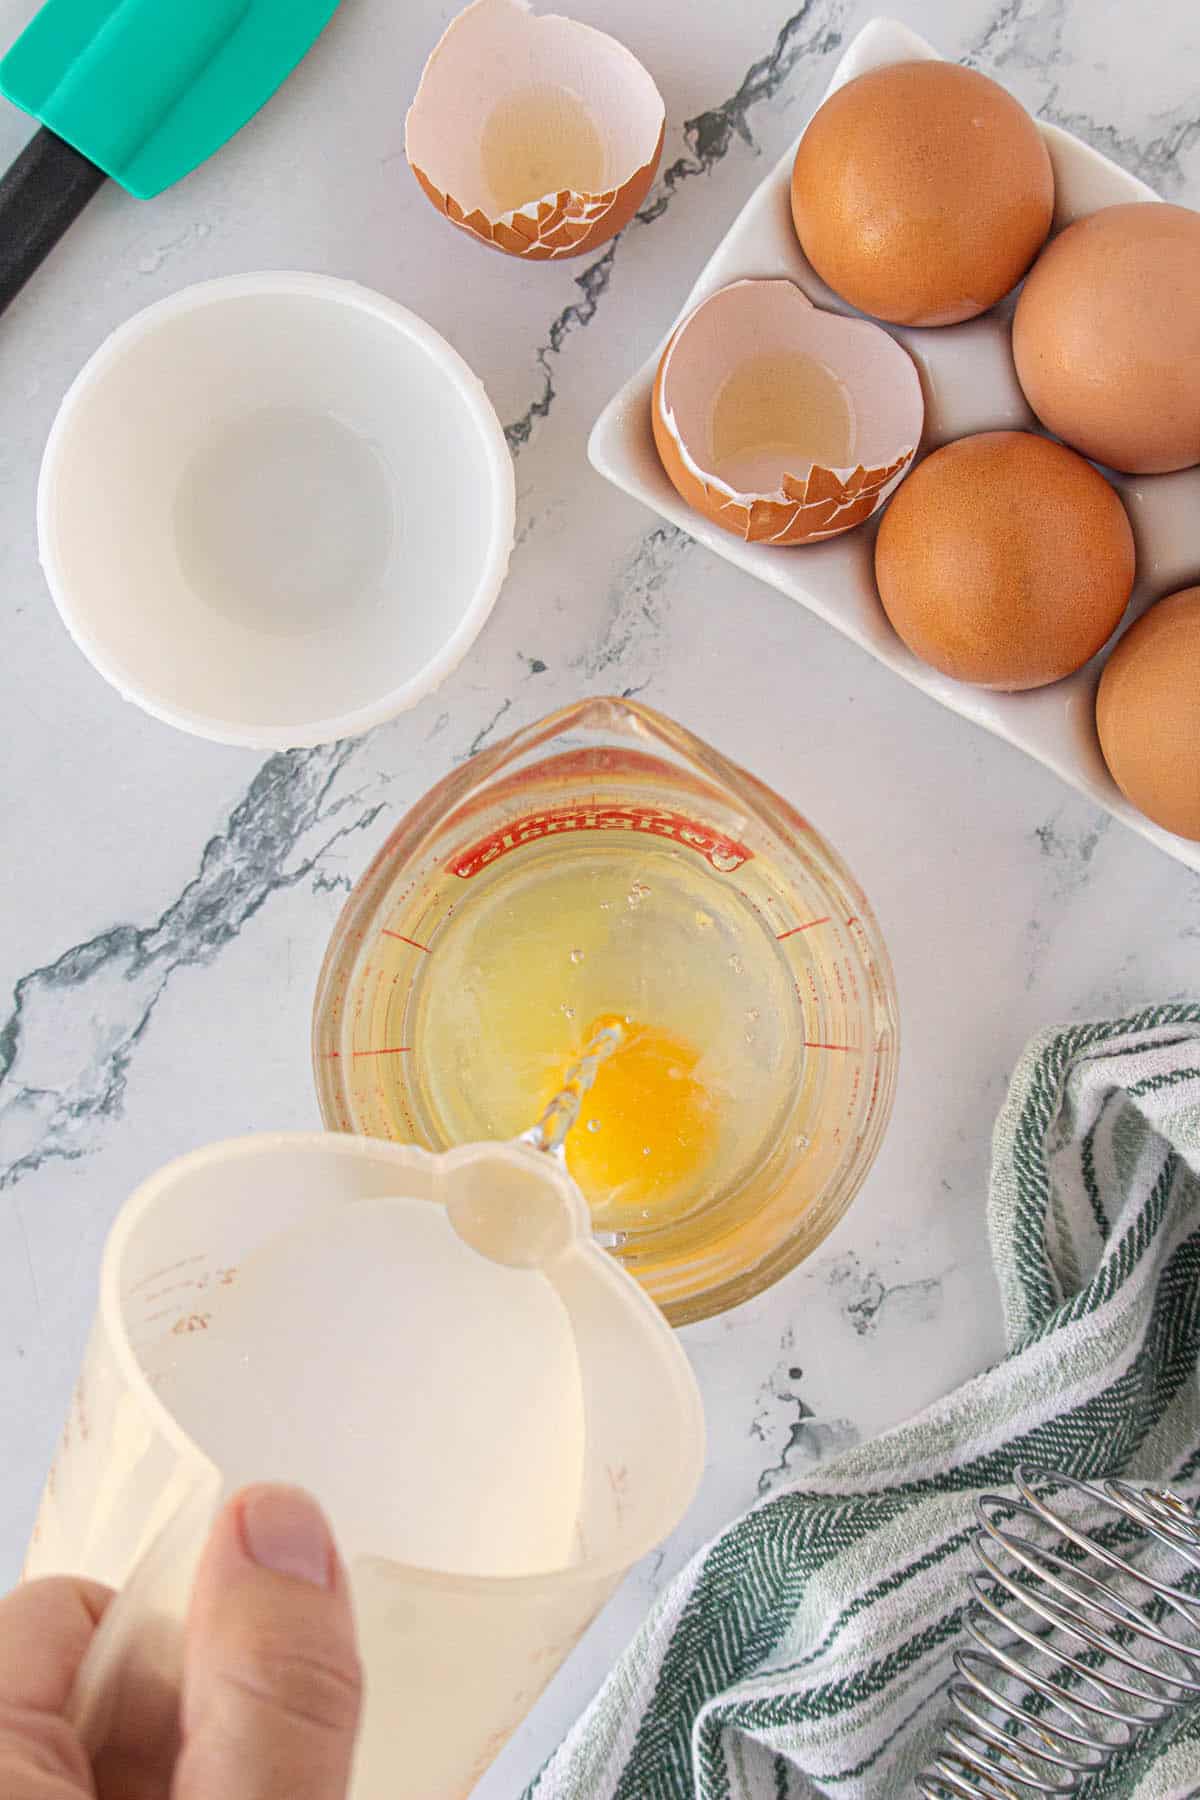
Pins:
<point x="271" y="1681"/>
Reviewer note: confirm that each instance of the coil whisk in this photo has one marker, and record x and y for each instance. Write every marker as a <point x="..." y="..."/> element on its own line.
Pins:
<point x="1084" y="1630"/>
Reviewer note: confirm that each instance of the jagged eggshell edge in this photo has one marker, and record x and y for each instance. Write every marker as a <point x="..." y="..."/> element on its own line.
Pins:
<point x="806" y="509"/>
<point x="557" y="225"/>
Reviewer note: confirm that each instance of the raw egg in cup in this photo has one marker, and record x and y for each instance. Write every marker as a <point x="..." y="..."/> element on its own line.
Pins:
<point x="782" y="423"/>
<point x="536" y="134"/>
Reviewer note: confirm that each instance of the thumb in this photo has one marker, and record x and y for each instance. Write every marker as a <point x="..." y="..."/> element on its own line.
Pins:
<point x="271" y="1680"/>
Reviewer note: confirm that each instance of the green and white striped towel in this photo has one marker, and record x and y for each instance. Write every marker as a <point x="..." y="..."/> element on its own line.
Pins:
<point x="808" y="1649"/>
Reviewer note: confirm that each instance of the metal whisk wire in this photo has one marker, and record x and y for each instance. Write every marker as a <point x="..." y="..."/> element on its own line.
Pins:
<point x="1069" y="1657"/>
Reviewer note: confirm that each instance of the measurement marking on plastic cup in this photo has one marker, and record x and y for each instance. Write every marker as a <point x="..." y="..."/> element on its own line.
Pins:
<point x="187" y="1262"/>
<point x="798" y="928"/>
<point x="400" y="938"/>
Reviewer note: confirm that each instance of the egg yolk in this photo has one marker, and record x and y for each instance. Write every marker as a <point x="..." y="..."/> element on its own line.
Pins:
<point x="647" y="1123"/>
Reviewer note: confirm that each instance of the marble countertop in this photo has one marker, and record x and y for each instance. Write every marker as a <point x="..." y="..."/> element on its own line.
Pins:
<point x="166" y="903"/>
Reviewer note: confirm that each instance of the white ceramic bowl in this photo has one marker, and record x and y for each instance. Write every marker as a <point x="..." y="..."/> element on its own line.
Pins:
<point x="275" y="509"/>
<point x="970" y="385"/>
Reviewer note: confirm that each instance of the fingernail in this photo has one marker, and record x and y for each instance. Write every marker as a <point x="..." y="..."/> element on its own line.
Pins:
<point x="284" y="1530"/>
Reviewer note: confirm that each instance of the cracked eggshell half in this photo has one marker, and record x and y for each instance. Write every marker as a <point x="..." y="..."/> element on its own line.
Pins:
<point x="781" y="423"/>
<point x="536" y="134"/>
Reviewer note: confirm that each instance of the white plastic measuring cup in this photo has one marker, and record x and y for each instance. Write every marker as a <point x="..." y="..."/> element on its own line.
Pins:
<point x="496" y="1418"/>
<point x="275" y="509"/>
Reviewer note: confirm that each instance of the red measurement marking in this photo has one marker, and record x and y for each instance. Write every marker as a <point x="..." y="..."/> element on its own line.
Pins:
<point x="723" y="853"/>
<point x="396" y="1050"/>
<point x="400" y="937"/>
<point x="158" y="1274"/>
<point x="852" y="1048"/>
<point x="796" y="928"/>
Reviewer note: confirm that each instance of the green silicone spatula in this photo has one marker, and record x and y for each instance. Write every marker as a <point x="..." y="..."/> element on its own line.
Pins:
<point x="141" y="91"/>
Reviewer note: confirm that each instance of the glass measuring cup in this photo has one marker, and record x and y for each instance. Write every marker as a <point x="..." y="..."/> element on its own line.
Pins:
<point x="743" y="961"/>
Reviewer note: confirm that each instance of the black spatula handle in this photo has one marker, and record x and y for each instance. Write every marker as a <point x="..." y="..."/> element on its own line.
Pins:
<point x="43" y="192"/>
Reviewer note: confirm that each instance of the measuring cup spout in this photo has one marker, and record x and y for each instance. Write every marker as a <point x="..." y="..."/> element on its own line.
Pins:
<point x="512" y="1203"/>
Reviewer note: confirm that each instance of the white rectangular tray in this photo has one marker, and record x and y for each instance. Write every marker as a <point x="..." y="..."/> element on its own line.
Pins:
<point x="970" y="385"/>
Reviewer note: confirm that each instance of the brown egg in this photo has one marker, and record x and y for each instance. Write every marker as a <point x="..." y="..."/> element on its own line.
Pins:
<point x="921" y="193"/>
<point x="1148" y="713"/>
<point x="1106" y="337"/>
<point x="1005" y="560"/>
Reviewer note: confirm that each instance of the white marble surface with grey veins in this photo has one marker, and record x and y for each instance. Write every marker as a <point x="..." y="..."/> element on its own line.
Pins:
<point x="166" y="902"/>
